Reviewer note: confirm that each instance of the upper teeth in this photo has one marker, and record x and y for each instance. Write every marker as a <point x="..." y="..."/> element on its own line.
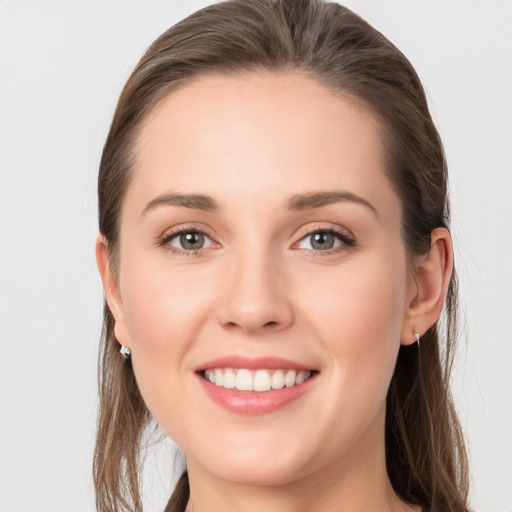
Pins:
<point x="255" y="380"/>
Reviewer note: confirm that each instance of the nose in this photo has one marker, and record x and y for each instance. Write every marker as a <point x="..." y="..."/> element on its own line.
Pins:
<point x="254" y="296"/>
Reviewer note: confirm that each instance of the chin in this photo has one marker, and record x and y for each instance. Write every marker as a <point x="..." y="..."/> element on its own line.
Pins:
<point x="259" y="472"/>
<point x="252" y="460"/>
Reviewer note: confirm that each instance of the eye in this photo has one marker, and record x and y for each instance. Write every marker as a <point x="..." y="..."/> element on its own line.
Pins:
<point x="187" y="241"/>
<point x="324" y="240"/>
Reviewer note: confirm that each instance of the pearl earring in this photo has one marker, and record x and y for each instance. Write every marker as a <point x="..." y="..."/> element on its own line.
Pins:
<point x="417" y="336"/>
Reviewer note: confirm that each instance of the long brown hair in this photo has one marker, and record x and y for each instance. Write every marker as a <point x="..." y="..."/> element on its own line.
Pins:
<point x="426" y="457"/>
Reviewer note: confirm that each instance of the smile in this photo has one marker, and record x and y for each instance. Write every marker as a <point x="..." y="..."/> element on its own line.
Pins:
<point x="258" y="380"/>
<point x="255" y="386"/>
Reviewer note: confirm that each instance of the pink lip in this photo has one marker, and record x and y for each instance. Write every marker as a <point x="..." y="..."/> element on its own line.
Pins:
<point x="250" y="402"/>
<point x="252" y="363"/>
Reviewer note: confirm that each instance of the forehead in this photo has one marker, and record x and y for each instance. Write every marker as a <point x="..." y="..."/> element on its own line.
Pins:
<point x="262" y="134"/>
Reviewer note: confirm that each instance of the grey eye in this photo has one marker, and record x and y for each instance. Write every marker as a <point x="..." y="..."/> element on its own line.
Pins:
<point x="192" y="240"/>
<point x="322" y="240"/>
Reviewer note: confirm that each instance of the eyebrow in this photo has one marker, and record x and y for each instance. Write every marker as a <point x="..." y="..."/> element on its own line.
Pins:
<point x="192" y="201"/>
<point x="297" y="202"/>
<point x="311" y="200"/>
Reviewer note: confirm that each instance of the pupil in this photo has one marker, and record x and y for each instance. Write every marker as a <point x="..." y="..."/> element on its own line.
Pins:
<point x="192" y="240"/>
<point x="323" y="240"/>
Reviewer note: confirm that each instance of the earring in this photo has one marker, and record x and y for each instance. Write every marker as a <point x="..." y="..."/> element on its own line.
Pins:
<point x="417" y="336"/>
<point x="125" y="352"/>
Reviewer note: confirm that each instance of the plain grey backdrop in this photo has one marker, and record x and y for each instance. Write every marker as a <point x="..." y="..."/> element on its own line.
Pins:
<point x="62" y="66"/>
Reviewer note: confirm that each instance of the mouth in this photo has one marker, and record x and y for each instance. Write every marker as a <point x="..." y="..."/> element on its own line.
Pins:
<point x="255" y="385"/>
<point x="256" y="380"/>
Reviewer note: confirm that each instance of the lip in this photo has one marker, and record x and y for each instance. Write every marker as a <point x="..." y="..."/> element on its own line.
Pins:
<point x="252" y="363"/>
<point x="251" y="402"/>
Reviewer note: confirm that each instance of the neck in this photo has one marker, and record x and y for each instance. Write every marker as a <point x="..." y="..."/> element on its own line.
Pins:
<point x="359" y="482"/>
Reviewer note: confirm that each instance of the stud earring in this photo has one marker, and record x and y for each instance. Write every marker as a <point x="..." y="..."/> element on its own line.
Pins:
<point x="125" y="352"/>
<point x="417" y="336"/>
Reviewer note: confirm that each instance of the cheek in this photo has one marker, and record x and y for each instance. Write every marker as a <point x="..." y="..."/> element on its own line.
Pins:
<point x="163" y="308"/>
<point x="359" y="317"/>
<point x="165" y="313"/>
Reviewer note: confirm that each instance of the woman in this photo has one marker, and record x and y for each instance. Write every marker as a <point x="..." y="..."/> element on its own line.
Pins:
<point x="275" y="253"/>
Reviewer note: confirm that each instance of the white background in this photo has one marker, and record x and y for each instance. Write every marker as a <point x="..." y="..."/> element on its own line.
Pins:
<point x="62" y="65"/>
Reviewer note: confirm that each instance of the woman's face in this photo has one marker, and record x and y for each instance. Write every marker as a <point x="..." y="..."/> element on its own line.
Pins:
<point x="260" y="243"/>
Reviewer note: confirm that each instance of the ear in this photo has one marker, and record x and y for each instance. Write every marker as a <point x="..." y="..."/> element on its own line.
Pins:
<point x="428" y="286"/>
<point x="112" y="291"/>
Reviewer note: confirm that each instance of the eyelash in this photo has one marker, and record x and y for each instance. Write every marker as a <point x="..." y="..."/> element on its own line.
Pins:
<point x="346" y="240"/>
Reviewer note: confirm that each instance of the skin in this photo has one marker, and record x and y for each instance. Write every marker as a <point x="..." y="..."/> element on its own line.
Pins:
<point x="258" y="288"/>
